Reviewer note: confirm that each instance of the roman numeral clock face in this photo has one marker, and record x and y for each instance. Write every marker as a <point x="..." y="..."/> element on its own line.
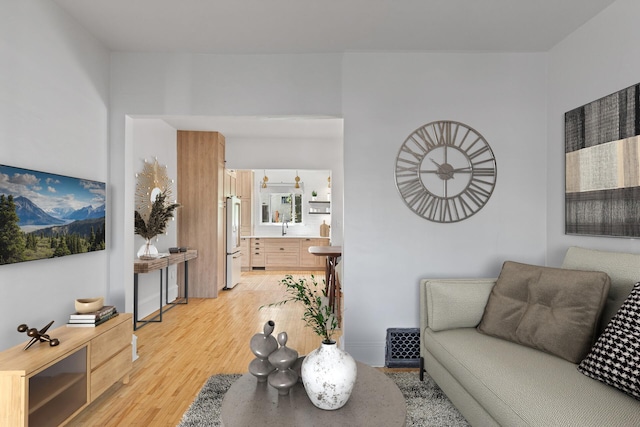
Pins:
<point x="445" y="171"/>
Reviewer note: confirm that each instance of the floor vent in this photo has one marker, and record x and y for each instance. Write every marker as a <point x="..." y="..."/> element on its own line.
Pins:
<point x="403" y="348"/>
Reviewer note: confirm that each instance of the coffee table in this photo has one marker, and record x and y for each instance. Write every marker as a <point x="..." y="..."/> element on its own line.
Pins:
<point x="375" y="401"/>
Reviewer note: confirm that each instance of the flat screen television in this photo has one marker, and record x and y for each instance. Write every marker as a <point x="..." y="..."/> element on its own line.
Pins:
<point x="44" y="215"/>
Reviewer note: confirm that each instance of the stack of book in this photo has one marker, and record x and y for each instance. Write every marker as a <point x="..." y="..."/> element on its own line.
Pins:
<point x="93" y="319"/>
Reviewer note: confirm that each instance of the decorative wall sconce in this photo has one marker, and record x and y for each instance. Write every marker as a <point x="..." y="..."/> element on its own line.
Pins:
<point x="265" y="179"/>
<point x="329" y="179"/>
<point x="297" y="180"/>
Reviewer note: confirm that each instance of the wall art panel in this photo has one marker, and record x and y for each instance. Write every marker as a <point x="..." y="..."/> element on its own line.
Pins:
<point x="602" y="165"/>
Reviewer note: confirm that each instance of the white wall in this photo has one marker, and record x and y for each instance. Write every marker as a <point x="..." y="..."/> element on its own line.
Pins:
<point x="387" y="248"/>
<point x="154" y="139"/>
<point x="214" y="85"/>
<point x="53" y="117"/>
<point x="600" y="58"/>
<point x="382" y="97"/>
<point x="320" y="153"/>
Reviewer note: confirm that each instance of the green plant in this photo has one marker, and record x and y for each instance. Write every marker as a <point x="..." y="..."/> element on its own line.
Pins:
<point x="160" y="213"/>
<point x="314" y="193"/>
<point x="317" y="312"/>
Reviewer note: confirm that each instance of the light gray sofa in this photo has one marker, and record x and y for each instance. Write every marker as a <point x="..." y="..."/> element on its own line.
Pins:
<point x="497" y="382"/>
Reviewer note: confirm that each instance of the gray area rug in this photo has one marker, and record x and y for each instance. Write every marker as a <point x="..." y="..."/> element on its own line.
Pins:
<point x="427" y="405"/>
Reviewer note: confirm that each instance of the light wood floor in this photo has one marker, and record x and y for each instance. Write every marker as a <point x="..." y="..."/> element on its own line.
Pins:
<point x="193" y="342"/>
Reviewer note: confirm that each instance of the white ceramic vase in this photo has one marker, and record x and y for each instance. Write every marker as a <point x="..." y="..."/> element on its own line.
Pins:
<point x="329" y="374"/>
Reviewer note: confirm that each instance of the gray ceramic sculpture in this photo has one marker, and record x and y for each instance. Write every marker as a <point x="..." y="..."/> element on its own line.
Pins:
<point x="283" y="378"/>
<point x="262" y="345"/>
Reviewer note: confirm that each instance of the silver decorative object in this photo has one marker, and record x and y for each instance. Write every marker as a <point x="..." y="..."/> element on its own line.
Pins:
<point x="283" y="378"/>
<point x="262" y="345"/>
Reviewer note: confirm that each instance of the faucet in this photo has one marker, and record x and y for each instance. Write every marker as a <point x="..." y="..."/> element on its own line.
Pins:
<point x="284" y="223"/>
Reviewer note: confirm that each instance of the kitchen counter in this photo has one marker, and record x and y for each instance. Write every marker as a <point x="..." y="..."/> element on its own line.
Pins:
<point x="287" y="236"/>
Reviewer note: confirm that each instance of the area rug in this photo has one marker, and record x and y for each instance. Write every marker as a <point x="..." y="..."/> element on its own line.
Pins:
<point x="427" y="405"/>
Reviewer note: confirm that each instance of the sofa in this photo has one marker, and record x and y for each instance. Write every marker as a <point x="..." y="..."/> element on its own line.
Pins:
<point x="498" y="382"/>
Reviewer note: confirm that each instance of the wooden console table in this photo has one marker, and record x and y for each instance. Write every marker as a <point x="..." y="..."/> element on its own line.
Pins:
<point x="147" y="266"/>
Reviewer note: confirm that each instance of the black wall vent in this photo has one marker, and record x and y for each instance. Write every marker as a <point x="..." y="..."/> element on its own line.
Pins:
<point x="403" y="348"/>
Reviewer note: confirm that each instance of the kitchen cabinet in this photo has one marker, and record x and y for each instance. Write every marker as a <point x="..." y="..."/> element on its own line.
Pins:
<point x="244" y="183"/>
<point x="288" y="253"/>
<point x="281" y="253"/>
<point x="310" y="260"/>
<point x="245" y="253"/>
<point x="201" y="172"/>
<point x="47" y="386"/>
<point x="244" y="189"/>
<point x="257" y="254"/>
<point x="230" y="183"/>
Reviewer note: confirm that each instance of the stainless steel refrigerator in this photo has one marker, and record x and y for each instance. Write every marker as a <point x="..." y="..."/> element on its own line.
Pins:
<point x="234" y="256"/>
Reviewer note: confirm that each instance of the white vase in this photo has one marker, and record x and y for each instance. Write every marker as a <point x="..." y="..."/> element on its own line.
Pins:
<point x="147" y="250"/>
<point x="329" y="374"/>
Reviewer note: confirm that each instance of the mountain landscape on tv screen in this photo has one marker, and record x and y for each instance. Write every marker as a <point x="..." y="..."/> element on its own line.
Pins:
<point x="30" y="214"/>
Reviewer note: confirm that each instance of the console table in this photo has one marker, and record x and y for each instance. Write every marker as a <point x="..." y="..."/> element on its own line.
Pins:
<point x="375" y="401"/>
<point x="147" y="266"/>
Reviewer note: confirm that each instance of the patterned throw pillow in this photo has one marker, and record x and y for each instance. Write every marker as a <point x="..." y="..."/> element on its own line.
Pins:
<point x="615" y="357"/>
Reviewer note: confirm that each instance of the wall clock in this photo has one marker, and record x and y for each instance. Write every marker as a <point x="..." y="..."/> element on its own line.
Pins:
<point x="445" y="171"/>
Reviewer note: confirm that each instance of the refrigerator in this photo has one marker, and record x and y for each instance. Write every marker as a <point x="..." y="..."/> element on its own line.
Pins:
<point x="234" y="256"/>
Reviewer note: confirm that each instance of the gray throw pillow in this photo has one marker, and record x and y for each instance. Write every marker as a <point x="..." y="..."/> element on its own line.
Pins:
<point x="552" y="309"/>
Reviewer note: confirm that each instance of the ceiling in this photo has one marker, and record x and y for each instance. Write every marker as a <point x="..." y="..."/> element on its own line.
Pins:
<point x="331" y="26"/>
<point x="306" y="26"/>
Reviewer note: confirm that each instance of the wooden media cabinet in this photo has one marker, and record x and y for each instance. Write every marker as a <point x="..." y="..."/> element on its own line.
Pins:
<point x="47" y="386"/>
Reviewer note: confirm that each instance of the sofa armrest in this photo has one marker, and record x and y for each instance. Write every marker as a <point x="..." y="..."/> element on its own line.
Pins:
<point x="453" y="303"/>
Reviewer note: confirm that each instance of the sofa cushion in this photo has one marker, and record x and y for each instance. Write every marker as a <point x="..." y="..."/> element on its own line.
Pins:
<point x="522" y="386"/>
<point x="456" y="303"/>
<point x="615" y="357"/>
<point x="551" y="309"/>
<point x="621" y="267"/>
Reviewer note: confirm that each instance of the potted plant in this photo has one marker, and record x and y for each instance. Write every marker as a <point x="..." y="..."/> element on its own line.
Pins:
<point x="317" y="312"/>
<point x="314" y="194"/>
<point x="328" y="372"/>
<point x="161" y="212"/>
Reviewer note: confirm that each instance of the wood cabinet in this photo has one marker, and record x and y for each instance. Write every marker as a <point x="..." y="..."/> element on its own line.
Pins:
<point x="246" y="253"/>
<point x="244" y="188"/>
<point x="281" y="253"/>
<point x="246" y="217"/>
<point x="244" y="182"/>
<point x="230" y="183"/>
<point x="310" y="260"/>
<point x="47" y="386"/>
<point x="290" y="253"/>
<point x="201" y="195"/>
<point x="257" y="254"/>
